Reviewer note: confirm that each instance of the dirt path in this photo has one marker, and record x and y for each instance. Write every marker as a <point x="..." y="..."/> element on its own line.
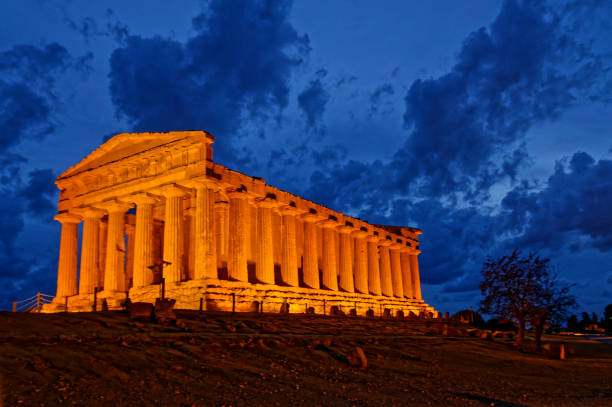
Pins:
<point x="103" y="359"/>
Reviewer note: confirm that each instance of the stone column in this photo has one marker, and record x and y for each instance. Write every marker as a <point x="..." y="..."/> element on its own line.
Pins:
<point x="406" y="274"/>
<point x="361" y="262"/>
<point x="396" y="270"/>
<point x="373" y="265"/>
<point x="221" y="228"/>
<point x="102" y="252"/>
<point x="264" y="269"/>
<point x="173" y="233"/>
<point x="205" y="239"/>
<point x="114" y="273"/>
<point x="330" y="263"/>
<point x="88" y="279"/>
<point x="143" y="240"/>
<point x="289" y="260"/>
<point x="68" y="255"/>
<point x="238" y="235"/>
<point x="386" y="285"/>
<point x="416" y="280"/>
<point x="346" y="264"/>
<point x="129" y="257"/>
<point x="310" y="268"/>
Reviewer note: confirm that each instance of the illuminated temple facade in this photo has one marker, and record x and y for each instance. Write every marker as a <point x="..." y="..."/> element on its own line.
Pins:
<point x="155" y="207"/>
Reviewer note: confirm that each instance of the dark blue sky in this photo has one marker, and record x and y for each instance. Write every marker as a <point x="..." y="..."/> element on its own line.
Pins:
<point x="484" y="123"/>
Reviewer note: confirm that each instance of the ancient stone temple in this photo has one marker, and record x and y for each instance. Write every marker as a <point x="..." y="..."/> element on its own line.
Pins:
<point x="158" y="214"/>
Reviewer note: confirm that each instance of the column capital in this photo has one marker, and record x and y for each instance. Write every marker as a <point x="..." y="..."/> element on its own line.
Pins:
<point x="327" y="223"/>
<point x="373" y="238"/>
<point x="114" y="205"/>
<point x="88" y="212"/>
<point x="66" y="217"/>
<point x="359" y="234"/>
<point x="290" y="210"/>
<point x="142" y="198"/>
<point x="237" y="193"/>
<point x="171" y="190"/>
<point x="384" y="242"/>
<point x="199" y="183"/>
<point x="345" y="229"/>
<point x="266" y="202"/>
<point x="396" y="246"/>
<point x="310" y="217"/>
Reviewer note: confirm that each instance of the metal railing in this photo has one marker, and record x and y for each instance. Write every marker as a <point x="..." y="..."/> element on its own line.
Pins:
<point x="32" y="304"/>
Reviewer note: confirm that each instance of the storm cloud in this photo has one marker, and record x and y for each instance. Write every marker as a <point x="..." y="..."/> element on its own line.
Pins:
<point x="233" y="73"/>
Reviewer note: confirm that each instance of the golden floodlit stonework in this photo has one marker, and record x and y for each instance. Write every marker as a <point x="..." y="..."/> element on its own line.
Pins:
<point x="155" y="207"/>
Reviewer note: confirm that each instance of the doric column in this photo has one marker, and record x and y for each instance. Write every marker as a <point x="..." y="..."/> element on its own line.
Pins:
<point x="102" y="251"/>
<point x="68" y="255"/>
<point x="373" y="265"/>
<point x="205" y="239"/>
<point x="386" y="285"/>
<point x="238" y="235"/>
<point x="143" y="239"/>
<point x="396" y="270"/>
<point x="361" y="262"/>
<point x="173" y="233"/>
<point x="289" y="260"/>
<point x="129" y="256"/>
<point x="264" y="269"/>
<point x="221" y="228"/>
<point x="330" y="263"/>
<point x="346" y="282"/>
<point x="416" y="280"/>
<point x="310" y="268"/>
<point x="88" y="279"/>
<point x="406" y="274"/>
<point x="114" y="272"/>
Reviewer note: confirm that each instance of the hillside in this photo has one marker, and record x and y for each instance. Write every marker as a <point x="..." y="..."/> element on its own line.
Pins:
<point x="100" y="359"/>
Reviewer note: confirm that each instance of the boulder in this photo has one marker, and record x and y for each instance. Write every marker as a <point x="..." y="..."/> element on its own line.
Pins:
<point x="358" y="359"/>
<point x="163" y="311"/>
<point x="140" y="311"/>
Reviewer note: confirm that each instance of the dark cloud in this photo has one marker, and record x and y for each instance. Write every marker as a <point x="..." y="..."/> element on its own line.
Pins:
<point x="40" y="193"/>
<point x="313" y="100"/>
<point x="27" y="78"/>
<point x="28" y="100"/>
<point x="576" y="199"/>
<point x="466" y="133"/>
<point x="236" y="67"/>
<point x="379" y="100"/>
<point x="497" y="90"/>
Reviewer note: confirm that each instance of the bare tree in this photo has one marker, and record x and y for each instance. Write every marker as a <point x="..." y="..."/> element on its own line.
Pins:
<point x="523" y="289"/>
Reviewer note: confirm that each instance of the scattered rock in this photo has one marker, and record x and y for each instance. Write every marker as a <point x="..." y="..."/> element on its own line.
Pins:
<point x="358" y="359"/>
<point x="268" y="328"/>
<point x="164" y="311"/>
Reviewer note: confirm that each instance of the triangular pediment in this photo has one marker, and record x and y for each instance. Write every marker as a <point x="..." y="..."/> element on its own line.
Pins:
<point x="128" y="144"/>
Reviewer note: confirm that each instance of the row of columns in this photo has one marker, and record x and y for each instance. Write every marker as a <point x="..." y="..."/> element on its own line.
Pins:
<point x="364" y="263"/>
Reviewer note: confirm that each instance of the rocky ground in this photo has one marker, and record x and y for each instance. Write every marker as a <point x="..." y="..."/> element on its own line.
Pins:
<point x="104" y="359"/>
